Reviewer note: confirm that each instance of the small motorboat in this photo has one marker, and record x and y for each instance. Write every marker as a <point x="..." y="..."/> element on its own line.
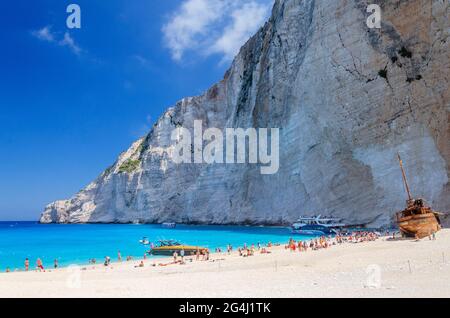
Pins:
<point x="144" y="241"/>
<point x="169" y="247"/>
<point x="169" y="225"/>
<point x="317" y="225"/>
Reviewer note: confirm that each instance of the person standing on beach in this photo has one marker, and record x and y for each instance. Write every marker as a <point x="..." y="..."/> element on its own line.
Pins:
<point x="197" y="255"/>
<point x="55" y="264"/>
<point x="119" y="256"/>
<point x="27" y="264"/>
<point x="182" y="256"/>
<point x="39" y="265"/>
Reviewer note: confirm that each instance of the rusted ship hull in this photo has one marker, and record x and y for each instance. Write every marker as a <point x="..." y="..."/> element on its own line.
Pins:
<point x="419" y="225"/>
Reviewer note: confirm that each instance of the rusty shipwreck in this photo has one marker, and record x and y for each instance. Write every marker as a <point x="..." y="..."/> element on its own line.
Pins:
<point x="418" y="220"/>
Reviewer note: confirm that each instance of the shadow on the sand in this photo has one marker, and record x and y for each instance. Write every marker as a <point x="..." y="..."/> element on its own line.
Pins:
<point x="410" y="239"/>
<point x="397" y="239"/>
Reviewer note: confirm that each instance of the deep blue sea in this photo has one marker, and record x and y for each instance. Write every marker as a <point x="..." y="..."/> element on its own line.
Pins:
<point x="76" y="244"/>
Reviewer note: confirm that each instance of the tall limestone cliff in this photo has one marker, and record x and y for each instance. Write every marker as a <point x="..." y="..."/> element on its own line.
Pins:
<point x="346" y="99"/>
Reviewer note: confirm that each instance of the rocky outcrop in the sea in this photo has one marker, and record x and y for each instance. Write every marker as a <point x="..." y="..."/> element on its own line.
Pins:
<point x="346" y="99"/>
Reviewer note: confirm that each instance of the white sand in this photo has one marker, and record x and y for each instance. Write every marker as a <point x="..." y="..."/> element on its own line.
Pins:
<point x="340" y="271"/>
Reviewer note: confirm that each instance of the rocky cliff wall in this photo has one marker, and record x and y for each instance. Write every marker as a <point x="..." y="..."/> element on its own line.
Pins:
<point x="346" y="99"/>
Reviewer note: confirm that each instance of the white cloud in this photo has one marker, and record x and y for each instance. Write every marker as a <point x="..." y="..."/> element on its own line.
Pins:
<point x="140" y="59"/>
<point x="44" y="34"/>
<point x="213" y="26"/>
<point x="245" y="21"/>
<point x="70" y="43"/>
<point x="190" y="23"/>
<point x="143" y="61"/>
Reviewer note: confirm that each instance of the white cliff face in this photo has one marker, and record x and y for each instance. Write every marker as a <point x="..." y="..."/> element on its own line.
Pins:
<point x="346" y="99"/>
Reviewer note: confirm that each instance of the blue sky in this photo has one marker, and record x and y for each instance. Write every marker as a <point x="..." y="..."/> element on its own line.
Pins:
<point x="72" y="99"/>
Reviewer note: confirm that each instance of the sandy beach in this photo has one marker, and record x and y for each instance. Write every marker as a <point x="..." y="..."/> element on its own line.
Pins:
<point x="384" y="268"/>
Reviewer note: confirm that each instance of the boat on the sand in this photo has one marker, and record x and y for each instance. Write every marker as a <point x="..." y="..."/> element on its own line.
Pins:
<point x="418" y="220"/>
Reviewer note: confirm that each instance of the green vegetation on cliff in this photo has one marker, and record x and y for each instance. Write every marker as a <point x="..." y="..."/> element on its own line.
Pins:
<point x="129" y="166"/>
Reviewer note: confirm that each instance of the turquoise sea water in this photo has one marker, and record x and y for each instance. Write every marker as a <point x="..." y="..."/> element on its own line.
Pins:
<point x="76" y="244"/>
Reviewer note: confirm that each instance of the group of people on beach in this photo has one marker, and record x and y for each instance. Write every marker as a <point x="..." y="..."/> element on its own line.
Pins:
<point x="325" y="242"/>
<point x="246" y="251"/>
<point x="322" y="242"/>
<point x="200" y="255"/>
<point x="39" y="265"/>
<point x="107" y="261"/>
<point x="178" y="258"/>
